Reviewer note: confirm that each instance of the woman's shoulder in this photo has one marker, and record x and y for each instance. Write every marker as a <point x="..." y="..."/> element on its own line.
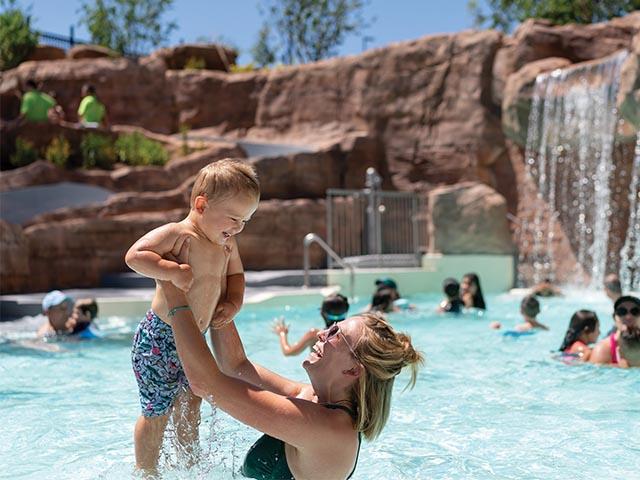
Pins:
<point x="601" y="352"/>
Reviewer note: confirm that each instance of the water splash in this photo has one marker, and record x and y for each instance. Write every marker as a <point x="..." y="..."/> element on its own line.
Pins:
<point x="630" y="253"/>
<point x="569" y="156"/>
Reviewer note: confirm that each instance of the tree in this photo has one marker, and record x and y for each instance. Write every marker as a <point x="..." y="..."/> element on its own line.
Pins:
<point x="308" y="30"/>
<point x="127" y="26"/>
<point x="503" y="14"/>
<point x="17" y="39"/>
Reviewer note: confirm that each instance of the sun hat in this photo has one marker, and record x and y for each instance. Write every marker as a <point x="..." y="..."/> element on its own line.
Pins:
<point x="53" y="299"/>
<point x="387" y="282"/>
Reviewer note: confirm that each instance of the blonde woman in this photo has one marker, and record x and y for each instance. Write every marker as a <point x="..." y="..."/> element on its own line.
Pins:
<point x="310" y="430"/>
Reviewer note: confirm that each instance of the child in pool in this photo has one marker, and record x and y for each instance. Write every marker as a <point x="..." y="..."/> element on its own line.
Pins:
<point x="199" y="256"/>
<point x="529" y="308"/>
<point x="584" y="329"/>
<point x="453" y="303"/>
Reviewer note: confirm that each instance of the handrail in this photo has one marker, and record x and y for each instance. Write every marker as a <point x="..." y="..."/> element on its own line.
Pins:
<point x="310" y="238"/>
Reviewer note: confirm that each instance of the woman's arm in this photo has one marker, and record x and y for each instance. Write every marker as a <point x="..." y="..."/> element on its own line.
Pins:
<point x="297" y="422"/>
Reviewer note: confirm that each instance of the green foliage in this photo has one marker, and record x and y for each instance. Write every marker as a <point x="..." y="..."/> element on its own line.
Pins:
<point x="58" y="151"/>
<point x="184" y="135"/>
<point x="262" y="52"/>
<point x="136" y="149"/>
<point x="97" y="151"/>
<point x="127" y="26"/>
<point x="25" y="153"/>
<point x="17" y="39"/>
<point x="307" y="30"/>
<point x="503" y="14"/>
<point x="194" y="63"/>
<point x="249" y="67"/>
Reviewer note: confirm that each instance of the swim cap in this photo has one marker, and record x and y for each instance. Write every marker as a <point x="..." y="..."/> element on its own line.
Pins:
<point x="387" y="282"/>
<point x="53" y="299"/>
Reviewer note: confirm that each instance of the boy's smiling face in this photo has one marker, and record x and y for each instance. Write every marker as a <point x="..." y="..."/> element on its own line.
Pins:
<point x="222" y="219"/>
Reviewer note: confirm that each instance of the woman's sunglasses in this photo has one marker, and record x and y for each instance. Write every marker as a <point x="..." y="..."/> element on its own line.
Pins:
<point x="622" y="311"/>
<point x="335" y="330"/>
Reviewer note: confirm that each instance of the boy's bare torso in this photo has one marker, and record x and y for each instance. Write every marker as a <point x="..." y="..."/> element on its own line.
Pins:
<point x="208" y="263"/>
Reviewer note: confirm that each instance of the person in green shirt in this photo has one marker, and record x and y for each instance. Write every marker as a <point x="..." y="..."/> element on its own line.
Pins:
<point x="91" y="111"/>
<point x="36" y="105"/>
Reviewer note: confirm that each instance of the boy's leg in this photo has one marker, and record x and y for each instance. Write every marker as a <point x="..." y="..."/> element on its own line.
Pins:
<point x="186" y="418"/>
<point x="147" y="437"/>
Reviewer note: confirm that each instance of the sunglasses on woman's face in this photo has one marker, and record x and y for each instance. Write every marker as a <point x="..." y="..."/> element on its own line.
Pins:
<point x="622" y="311"/>
<point x="335" y="330"/>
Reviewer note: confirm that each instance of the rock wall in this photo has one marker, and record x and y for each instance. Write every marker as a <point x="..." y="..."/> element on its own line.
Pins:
<point x="432" y="112"/>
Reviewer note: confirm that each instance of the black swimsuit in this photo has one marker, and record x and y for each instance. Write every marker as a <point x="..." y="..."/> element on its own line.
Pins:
<point x="266" y="459"/>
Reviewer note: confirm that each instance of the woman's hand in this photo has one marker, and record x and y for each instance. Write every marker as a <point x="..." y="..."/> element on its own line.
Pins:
<point x="279" y="326"/>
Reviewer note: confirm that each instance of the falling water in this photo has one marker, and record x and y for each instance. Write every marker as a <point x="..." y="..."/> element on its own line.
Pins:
<point x="630" y="253"/>
<point x="569" y="157"/>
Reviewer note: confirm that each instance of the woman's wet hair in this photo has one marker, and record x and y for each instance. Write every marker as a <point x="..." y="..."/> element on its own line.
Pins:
<point x="383" y="353"/>
<point x="334" y="308"/>
<point x="583" y="321"/>
<point x="478" y="298"/>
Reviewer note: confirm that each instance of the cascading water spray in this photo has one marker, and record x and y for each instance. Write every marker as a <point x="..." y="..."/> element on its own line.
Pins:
<point x="630" y="253"/>
<point x="569" y="155"/>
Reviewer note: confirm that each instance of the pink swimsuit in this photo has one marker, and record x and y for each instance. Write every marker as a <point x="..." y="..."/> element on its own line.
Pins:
<point x="613" y="345"/>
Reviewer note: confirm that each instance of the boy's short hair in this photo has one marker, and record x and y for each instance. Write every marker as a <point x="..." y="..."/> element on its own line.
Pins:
<point x="451" y="287"/>
<point x="530" y="306"/>
<point x="225" y="178"/>
<point x="89" y="306"/>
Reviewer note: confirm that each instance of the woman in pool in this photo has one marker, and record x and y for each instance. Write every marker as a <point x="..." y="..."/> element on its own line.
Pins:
<point x="626" y="316"/>
<point x="584" y="329"/>
<point x="471" y="292"/>
<point x="310" y="430"/>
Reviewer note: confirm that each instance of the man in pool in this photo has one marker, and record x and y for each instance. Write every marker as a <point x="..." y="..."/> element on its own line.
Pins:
<point x="67" y="317"/>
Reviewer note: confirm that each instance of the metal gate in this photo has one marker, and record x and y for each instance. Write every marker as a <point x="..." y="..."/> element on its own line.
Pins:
<point x="375" y="228"/>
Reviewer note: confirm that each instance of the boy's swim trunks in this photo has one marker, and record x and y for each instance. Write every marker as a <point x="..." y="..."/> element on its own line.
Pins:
<point x="156" y="366"/>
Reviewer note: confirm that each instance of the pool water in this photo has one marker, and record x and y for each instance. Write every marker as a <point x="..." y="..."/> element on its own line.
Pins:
<point x="485" y="406"/>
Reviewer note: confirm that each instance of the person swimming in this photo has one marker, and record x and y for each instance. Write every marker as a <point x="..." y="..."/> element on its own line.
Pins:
<point x="584" y="329"/>
<point x="471" y="292"/>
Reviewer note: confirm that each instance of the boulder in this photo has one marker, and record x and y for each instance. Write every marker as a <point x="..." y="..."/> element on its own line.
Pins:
<point x="518" y="94"/>
<point x="468" y="218"/>
<point x="536" y="39"/>
<point x="14" y="257"/>
<point x="213" y="56"/>
<point x="47" y="52"/>
<point x="91" y="51"/>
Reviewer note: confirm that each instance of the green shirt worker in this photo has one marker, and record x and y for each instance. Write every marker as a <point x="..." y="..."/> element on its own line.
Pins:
<point x="91" y="111"/>
<point x="310" y="430"/>
<point x="35" y="104"/>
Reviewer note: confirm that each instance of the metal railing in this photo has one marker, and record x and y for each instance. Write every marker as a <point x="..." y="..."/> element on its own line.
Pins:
<point x="311" y="238"/>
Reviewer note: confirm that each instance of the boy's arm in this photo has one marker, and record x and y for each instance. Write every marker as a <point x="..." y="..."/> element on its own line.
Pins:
<point x="230" y="305"/>
<point x="145" y="256"/>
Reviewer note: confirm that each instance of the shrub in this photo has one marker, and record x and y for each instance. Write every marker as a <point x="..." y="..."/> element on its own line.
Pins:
<point x="17" y="40"/>
<point x="136" y="149"/>
<point x="195" y="63"/>
<point x="25" y="153"/>
<point x="249" y="67"/>
<point x="184" y="136"/>
<point x="58" y="151"/>
<point x="97" y="151"/>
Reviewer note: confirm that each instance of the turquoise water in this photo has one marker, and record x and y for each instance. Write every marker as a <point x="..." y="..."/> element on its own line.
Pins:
<point x="485" y="406"/>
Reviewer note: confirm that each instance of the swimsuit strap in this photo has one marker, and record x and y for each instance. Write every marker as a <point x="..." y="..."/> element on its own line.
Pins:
<point x="352" y="414"/>
<point x="613" y="345"/>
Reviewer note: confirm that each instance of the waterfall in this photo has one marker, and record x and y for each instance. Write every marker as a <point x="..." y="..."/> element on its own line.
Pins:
<point x="569" y="157"/>
<point x="630" y="253"/>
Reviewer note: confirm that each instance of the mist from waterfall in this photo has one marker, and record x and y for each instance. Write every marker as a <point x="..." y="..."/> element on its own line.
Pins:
<point x="630" y="253"/>
<point x="569" y="156"/>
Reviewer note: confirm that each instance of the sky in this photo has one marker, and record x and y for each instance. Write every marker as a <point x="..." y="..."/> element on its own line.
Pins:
<point x="238" y="21"/>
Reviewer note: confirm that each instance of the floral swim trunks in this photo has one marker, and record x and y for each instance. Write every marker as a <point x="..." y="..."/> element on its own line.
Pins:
<point x="156" y="366"/>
